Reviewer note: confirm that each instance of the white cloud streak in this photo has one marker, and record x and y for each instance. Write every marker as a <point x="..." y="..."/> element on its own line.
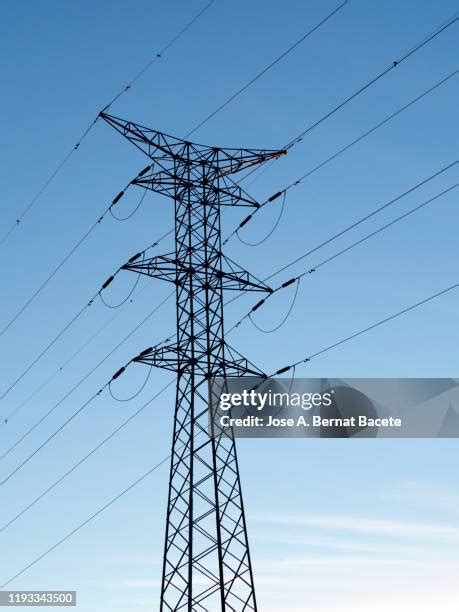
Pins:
<point x="361" y="524"/>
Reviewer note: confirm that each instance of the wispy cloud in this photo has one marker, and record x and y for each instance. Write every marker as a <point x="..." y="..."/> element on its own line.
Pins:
<point x="357" y="584"/>
<point x="362" y="524"/>
<point x="355" y="564"/>
<point x="422" y="493"/>
<point x="364" y="599"/>
<point x="116" y="559"/>
<point x="337" y="543"/>
<point x="294" y="564"/>
<point x="140" y="584"/>
<point x="145" y="584"/>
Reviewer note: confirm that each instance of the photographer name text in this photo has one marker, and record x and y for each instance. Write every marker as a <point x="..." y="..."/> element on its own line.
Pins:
<point x="308" y="421"/>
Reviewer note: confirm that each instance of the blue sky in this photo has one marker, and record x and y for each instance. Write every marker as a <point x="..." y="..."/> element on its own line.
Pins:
<point x="334" y="524"/>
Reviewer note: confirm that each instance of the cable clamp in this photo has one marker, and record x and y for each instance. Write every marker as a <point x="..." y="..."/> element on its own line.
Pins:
<point x="275" y="196"/>
<point x="107" y="282"/>
<point x="246" y="220"/>
<point x="144" y="171"/>
<point x="118" y="373"/>
<point x="134" y="257"/>
<point x="287" y="283"/>
<point x="258" y="304"/>
<point x="143" y="353"/>
<point x="118" y="197"/>
<point x="282" y="370"/>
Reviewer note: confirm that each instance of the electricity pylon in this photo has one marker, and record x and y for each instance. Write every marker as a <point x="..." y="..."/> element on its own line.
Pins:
<point x="206" y="564"/>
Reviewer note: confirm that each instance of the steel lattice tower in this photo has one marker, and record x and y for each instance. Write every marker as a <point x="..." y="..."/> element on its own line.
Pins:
<point x="207" y="564"/>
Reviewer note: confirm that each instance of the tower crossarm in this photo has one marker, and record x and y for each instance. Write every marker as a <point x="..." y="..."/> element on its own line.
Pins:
<point x="149" y="141"/>
<point x="167" y="183"/>
<point x="170" y="357"/>
<point x="169" y="268"/>
<point x="225" y="161"/>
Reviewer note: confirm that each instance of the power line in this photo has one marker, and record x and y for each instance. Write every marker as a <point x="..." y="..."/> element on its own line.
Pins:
<point x="378" y="231"/>
<point x="361" y="220"/>
<point x="84" y="134"/>
<point x="158" y="55"/>
<point x="425" y="41"/>
<point x="307" y="359"/>
<point x="115" y="201"/>
<point x="77" y="316"/>
<point x="54" y="272"/>
<point x="84" y="378"/>
<point x="46" y="349"/>
<point x="391" y="67"/>
<point x="73" y="416"/>
<point x="131" y="214"/>
<point x="267" y="68"/>
<point x="156" y="466"/>
<point x="67" y="361"/>
<point x="374" y="128"/>
<point x="367" y="329"/>
<point x="84" y="459"/>
<point x="338" y="235"/>
<point x="53" y="435"/>
<point x="283" y="320"/>
<point x="59" y="335"/>
<point x="340" y="151"/>
<point x="189" y="133"/>
<point x="406" y="56"/>
<point x="290" y="49"/>
<point x="123" y="301"/>
<point x="271" y="231"/>
<point x="109" y="209"/>
<point x="136" y="394"/>
<point x="316" y="267"/>
<point x="72" y="251"/>
<point x="88" y="520"/>
<point x="342" y="232"/>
